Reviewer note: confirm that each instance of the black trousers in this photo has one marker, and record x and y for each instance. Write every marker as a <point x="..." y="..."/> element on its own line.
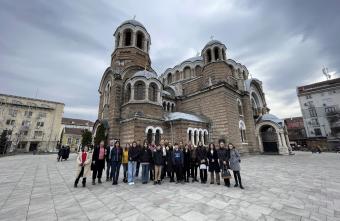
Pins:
<point x="80" y="175"/>
<point x="152" y="169"/>
<point x="178" y="171"/>
<point x="98" y="169"/>
<point x="237" y="177"/>
<point x="203" y="175"/>
<point x="137" y="168"/>
<point x="163" y="170"/>
<point x="194" y="171"/>
<point x="115" y="167"/>
<point x="186" y="172"/>
<point x="171" y="174"/>
<point x="125" y="170"/>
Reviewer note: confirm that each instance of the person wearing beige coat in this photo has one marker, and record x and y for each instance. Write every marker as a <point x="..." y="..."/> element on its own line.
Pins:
<point x="83" y="166"/>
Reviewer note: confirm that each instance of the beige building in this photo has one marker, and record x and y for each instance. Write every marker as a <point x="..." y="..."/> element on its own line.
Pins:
<point x="72" y="130"/>
<point x="31" y="124"/>
<point x="204" y="98"/>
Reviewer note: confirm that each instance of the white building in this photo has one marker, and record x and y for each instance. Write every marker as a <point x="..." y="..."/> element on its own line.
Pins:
<point x="31" y="124"/>
<point x="319" y="104"/>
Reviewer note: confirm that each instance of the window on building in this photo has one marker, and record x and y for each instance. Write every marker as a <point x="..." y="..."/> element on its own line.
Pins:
<point x="329" y="109"/>
<point x="38" y="133"/>
<point x="77" y="141"/>
<point x="157" y="137"/>
<point x="308" y="96"/>
<point x="209" y="55"/>
<point x="139" y="90"/>
<point x="13" y="112"/>
<point x="42" y="114"/>
<point x="140" y="40"/>
<point x="69" y="140"/>
<point x="317" y="132"/>
<point x="26" y="123"/>
<point x="315" y="122"/>
<point x="153" y="89"/>
<point x="40" y="124"/>
<point x="28" y="113"/>
<point x="239" y="106"/>
<point x="127" y="37"/>
<point x="10" y="122"/>
<point x="149" y="136"/>
<point x="312" y="112"/>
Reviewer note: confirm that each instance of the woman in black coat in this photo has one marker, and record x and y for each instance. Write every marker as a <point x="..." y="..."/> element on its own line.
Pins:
<point x="186" y="169"/>
<point x="201" y="154"/>
<point x="223" y="158"/>
<point x="214" y="167"/>
<point x="169" y="164"/>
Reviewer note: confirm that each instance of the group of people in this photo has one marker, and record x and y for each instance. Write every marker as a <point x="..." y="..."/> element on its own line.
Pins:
<point x="180" y="162"/>
<point x="63" y="153"/>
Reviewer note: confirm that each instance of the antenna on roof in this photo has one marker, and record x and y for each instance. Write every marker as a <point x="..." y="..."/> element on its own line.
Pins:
<point x="134" y="17"/>
<point x="325" y="72"/>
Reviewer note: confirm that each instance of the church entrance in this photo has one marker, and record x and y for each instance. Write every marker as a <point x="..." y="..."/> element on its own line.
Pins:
<point x="269" y="139"/>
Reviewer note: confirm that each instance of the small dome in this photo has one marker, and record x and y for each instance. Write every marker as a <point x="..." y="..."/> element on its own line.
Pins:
<point x="146" y="74"/>
<point x="193" y="59"/>
<point x="213" y="42"/>
<point x="133" y="22"/>
<point x="273" y="118"/>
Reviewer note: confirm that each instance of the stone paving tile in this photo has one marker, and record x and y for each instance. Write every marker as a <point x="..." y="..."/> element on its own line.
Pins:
<point x="301" y="187"/>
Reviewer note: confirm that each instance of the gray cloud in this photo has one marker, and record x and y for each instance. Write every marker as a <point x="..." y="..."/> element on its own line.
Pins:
<point x="62" y="48"/>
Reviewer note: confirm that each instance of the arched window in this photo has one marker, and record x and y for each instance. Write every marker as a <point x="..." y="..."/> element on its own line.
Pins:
<point x="189" y="138"/>
<point x="172" y="107"/>
<point x="205" y="137"/>
<point x="198" y="70"/>
<point x="244" y="75"/>
<point x="164" y="105"/>
<point x="195" y="137"/>
<point x="157" y="137"/>
<point x="107" y="92"/>
<point x="149" y="136"/>
<point x="239" y="106"/>
<point x="168" y="107"/>
<point x="139" y="90"/>
<point x="153" y="89"/>
<point x="217" y="53"/>
<point x="200" y="136"/>
<point x="140" y="40"/>
<point x="242" y="128"/>
<point x="209" y="55"/>
<point x="223" y="54"/>
<point x="254" y="107"/>
<point x="186" y="72"/>
<point x="169" y="78"/>
<point x="178" y="76"/>
<point x="118" y="40"/>
<point x="127" y="37"/>
<point x="128" y="93"/>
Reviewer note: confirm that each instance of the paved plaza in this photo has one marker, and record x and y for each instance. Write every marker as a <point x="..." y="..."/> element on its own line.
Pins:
<point x="301" y="187"/>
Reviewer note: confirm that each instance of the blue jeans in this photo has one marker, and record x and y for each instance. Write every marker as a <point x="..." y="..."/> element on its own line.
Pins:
<point x="131" y="170"/>
<point x="115" y="167"/>
<point x="145" y="172"/>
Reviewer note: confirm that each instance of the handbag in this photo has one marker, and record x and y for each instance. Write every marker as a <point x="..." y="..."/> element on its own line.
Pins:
<point x="225" y="173"/>
<point x="203" y="166"/>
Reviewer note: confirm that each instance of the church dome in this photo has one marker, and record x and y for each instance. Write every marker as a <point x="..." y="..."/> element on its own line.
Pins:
<point x="213" y="42"/>
<point x="146" y="74"/>
<point x="213" y="51"/>
<point x="272" y="118"/>
<point x="133" y="22"/>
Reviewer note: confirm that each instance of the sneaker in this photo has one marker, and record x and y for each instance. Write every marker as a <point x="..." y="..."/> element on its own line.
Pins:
<point x="155" y="182"/>
<point x="241" y="187"/>
<point x="93" y="182"/>
<point x="107" y="179"/>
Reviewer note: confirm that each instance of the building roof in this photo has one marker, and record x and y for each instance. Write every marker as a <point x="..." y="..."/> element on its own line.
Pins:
<point x="73" y="131"/>
<point x="133" y="22"/>
<point x="272" y="118"/>
<point x="77" y="122"/>
<point x="213" y="42"/>
<point x="146" y="74"/>
<point x="329" y="84"/>
<point x="31" y="99"/>
<point x="173" y="116"/>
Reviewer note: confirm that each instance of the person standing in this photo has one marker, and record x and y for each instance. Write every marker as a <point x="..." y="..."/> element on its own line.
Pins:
<point x="125" y="161"/>
<point x="144" y="159"/>
<point x="98" y="162"/>
<point x="138" y="162"/>
<point x="186" y="168"/>
<point x="178" y="163"/>
<point x="158" y="162"/>
<point x="108" y="161"/>
<point x="193" y="163"/>
<point x="83" y="166"/>
<point x="214" y="167"/>
<point x="116" y="160"/>
<point x="201" y="154"/>
<point x="164" y="167"/>
<point x="152" y="165"/>
<point x="133" y="158"/>
<point x="223" y="159"/>
<point x="169" y="163"/>
<point x="235" y="160"/>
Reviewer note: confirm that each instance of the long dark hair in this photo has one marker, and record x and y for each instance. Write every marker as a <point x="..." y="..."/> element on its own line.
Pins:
<point x="117" y="141"/>
<point x="213" y="145"/>
<point x="231" y="145"/>
<point x="134" y="142"/>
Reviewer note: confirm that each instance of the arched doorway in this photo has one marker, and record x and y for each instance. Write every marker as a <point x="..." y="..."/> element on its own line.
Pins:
<point x="269" y="139"/>
<point x="149" y="136"/>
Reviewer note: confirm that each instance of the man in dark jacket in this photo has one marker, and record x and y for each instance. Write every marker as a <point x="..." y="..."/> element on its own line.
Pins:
<point x="178" y="163"/>
<point x="158" y="161"/>
<point x="116" y="160"/>
<point x="169" y="164"/>
<point x="138" y="162"/>
<point x="98" y="162"/>
<point x="201" y="154"/>
<point x="145" y="158"/>
<point x="133" y="158"/>
<point x="186" y="168"/>
<point x="194" y="164"/>
<point x="108" y="161"/>
<point x="223" y="157"/>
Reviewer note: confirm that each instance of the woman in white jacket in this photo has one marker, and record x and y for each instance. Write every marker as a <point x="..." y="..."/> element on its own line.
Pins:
<point x="83" y="166"/>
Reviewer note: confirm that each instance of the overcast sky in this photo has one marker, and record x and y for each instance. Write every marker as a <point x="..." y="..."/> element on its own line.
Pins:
<point x="60" y="49"/>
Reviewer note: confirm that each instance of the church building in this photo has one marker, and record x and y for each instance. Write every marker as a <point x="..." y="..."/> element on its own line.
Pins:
<point x="204" y="98"/>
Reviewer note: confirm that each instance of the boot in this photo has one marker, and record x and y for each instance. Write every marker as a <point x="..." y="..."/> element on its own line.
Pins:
<point x="75" y="184"/>
<point x="99" y="180"/>
<point x="84" y="182"/>
<point x="93" y="182"/>
<point x="107" y="179"/>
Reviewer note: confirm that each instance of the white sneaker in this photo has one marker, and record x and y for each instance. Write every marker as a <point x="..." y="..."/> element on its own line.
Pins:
<point x="133" y="183"/>
<point x="130" y="183"/>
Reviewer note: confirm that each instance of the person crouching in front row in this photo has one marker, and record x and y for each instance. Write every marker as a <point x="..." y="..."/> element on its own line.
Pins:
<point x="83" y="166"/>
<point x="158" y="161"/>
<point x="116" y="160"/>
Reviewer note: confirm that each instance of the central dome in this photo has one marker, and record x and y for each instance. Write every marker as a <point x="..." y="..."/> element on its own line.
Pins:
<point x="213" y="42"/>
<point x="133" y="22"/>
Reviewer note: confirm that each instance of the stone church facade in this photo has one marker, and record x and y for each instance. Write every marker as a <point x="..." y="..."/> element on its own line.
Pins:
<point x="204" y="98"/>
